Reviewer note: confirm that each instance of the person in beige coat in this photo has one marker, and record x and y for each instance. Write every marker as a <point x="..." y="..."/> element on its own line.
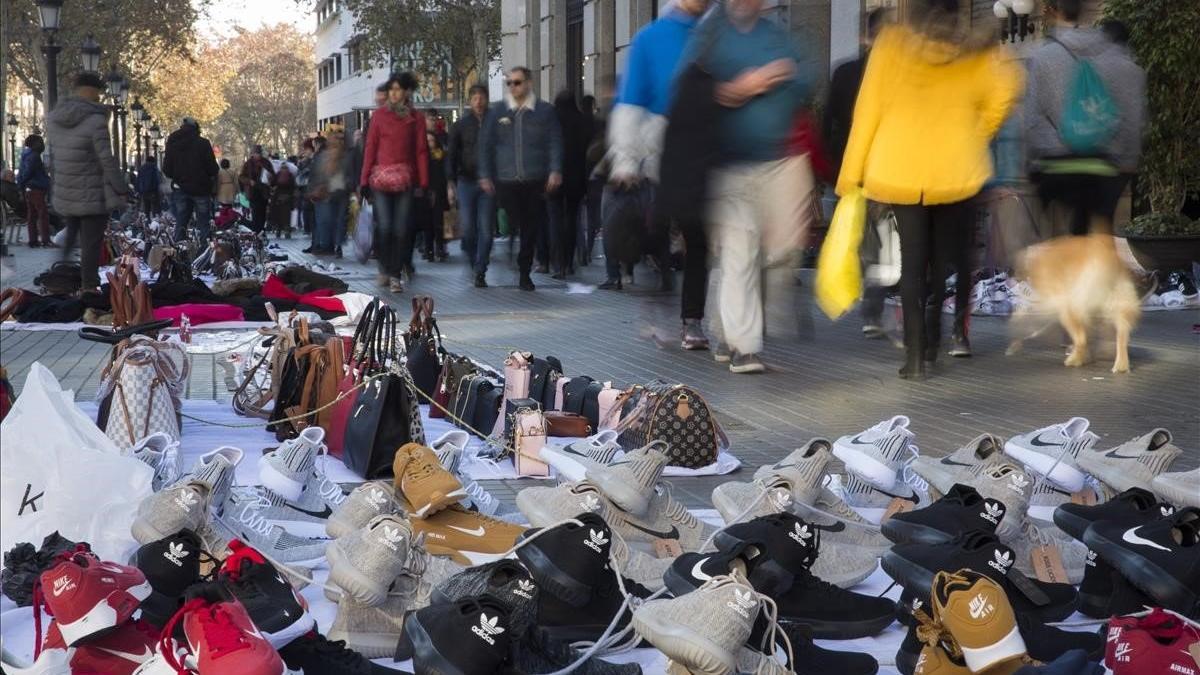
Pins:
<point x="227" y="184"/>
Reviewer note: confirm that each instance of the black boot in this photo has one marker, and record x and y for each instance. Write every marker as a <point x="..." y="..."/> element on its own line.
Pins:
<point x="914" y="367"/>
<point x="526" y="283"/>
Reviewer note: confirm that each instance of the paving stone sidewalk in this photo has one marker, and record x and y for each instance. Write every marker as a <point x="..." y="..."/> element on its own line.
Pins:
<point x="824" y="379"/>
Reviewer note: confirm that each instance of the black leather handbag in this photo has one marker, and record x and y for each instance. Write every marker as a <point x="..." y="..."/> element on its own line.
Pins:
<point x="540" y="372"/>
<point x="487" y="409"/>
<point x="423" y="346"/>
<point x="573" y="392"/>
<point x="591" y="403"/>
<point x="550" y="391"/>
<point x="471" y="391"/>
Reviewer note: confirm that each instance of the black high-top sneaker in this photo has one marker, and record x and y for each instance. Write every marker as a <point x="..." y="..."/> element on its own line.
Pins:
<point x="504" y="579"/>
<point x="269" y="599"/>
<point x="571" y="623"/>
<point x="961" y="509"/>
<point x="566" y="560"/>
<point x="788" y="544"/>
<point x="171" y="565"/>
<point x="469" y="636"/>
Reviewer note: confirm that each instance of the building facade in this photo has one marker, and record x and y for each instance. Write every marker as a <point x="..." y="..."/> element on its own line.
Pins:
<point x="346" y="82"/>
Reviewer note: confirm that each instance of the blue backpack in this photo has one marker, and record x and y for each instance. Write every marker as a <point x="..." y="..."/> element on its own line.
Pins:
<point x="1090" y="117"/>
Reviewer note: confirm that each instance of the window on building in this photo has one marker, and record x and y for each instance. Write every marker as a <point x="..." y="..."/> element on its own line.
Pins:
<point x="354" y="56"/>
<point x="337" y="65"/>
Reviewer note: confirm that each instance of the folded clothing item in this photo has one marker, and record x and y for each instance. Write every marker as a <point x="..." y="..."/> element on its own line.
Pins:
<point x="274" y="288"/>
<point x="200" y="314"/>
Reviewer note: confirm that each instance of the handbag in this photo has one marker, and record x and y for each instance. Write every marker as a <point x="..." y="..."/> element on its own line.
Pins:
<point x="529" y="437"/>
<point x="171" y="362"/>
<point x="386" y="416"/>
<point x="591" y="403"/>
<point x="567" y="425"/>
<point x="423" y="345"/>
<point x="391" y="177"/>
<point x="609" y="412"/>
<point x="467" y="398"/>
<point x="374" y="325"/>
<point x="129" y="296"/>
<point x="675" y="414"/>
<point x="262" y="366"/>
<point x="454" y="369"/>
<point x="573" y="393"/>
<point x="514" y="405"/>
<point x="141" y="399"/>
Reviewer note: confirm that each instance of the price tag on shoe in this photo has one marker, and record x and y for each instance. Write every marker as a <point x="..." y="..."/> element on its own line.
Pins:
<point x="667" y="548"/>
<point x="897" y="505"/>
<point x="1085" y="497"/>
<point x="1048" y="565"/>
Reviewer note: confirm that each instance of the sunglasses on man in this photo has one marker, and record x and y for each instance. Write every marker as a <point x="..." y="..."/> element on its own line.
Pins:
<point x="514" y="83"/>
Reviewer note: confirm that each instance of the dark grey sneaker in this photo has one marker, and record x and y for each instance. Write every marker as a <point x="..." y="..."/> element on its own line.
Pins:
<point x="506" y="579"/>
<point x="746" y="363"/>
<point x="722" y="353"/>
<point x="693" y="337"/>
<point x="961" y="347"/>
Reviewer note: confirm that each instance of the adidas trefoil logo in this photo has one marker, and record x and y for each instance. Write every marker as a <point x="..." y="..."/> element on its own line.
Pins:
<point x="175" y="553"/>
<point x="1091" y="558"/>
<point x="1003" y="560"/>
<point x="1017" y="483"/>
<point x="1167" y="510"/>
<point x="186" y="500"/>
<point x="391" y="538"/>
<point x="376" y="498"/>
<point x="589" y="504"/>
<point x="780" y="498"/>
<point x="595" y="540"/>
<point x="524" y="589"/>
<point x="742" y="602"/>
<point x="1121" y="653"/>
<point x="980" y="607"/>
<point x="62" y="585"/>
<point x="992" y="512"/>
<point x="800" y="534"/>
<point x="487" y="628"/>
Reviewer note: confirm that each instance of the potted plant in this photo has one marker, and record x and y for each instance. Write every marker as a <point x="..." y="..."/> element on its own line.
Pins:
<point x="1162" y="39"/>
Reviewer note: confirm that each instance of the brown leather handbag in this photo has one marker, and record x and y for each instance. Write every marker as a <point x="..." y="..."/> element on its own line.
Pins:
<point x="130" y="298"/>
<point x="567" y="425"/>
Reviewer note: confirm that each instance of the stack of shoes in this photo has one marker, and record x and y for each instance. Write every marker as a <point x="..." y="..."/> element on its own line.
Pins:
<point x="449" y="448"/>
<point x="959" y="466"/>
<point x="433" y="496"/>
<point x="161" y="453"/>
<point x="876" y="462"/>
<point x="775" y="554"/>
<point x="171" y="565"/>
<point x="1158" y="642"/>
<point x="301" y="497"/>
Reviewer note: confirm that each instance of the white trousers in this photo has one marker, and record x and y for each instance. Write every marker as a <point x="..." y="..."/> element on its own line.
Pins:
<point x="760" y="213"/>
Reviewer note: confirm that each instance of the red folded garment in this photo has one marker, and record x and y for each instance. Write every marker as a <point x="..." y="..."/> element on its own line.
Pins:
<point x="199" y="314"/>
<point x="274" y="287"/>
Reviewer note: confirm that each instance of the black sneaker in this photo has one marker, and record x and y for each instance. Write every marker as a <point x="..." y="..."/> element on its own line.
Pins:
<point x="481" y="281"/>
<point x="812" y="659"/>
<point x="610" y="285"/>
<point x="790" y="543"/>
<point x="504" y="579"/>
<point x="469" y="636"/>
<point x="1162" y="558"/>
<point x="526" y="283"/>
<point x="962" y="509"/>
<point x="1105" y="593"/>
<point x="269" y="599"/>
<point x="538" y="652"/>
<point x="171" y="565"/>
<point x="315" y="653"/>
<point x="587" y="623"/>
<point x="913" y="566"/>
<point x="567" y="560"/>
<point x="1134" y="506"/>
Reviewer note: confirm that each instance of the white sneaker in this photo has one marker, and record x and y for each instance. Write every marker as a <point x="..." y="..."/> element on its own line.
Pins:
<point x="1132" y="464"/>
<point x="161" y="453"/>
<point x="449" y="448"/>
<point x="573" y="460"/>
<point x="878" y="454"/>
<point x="286" y="469"/>
<point x="1053" y="451"/>
<point x="870" y="502"/>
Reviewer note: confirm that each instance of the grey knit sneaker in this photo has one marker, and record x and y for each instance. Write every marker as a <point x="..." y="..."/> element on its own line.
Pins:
<point x="161" y="453"/>
<point x="638" y="566"/>
<point x="308" y="515"/>
<point x="217" y="469"/>
<point x="548" y="506"/>
<point x="1009" y="484"/>
<point x="286" y="469"/>
<point x="1178" y="487"/>
<point x="704" y="629"/>
<point x="370" y="631"/>
<point x="664" y="518"/>
<point x="745" y="364"/>
<point x="371" y="499"/>
<point x="505" y="579"/>
<point x="804" y="469"/>
<point x="1029" y="538"/>
<point x="738" y="502"/>
<point x="1132" y="464"/>
<point x="162" y="514"/>
<point x="629" y="482"/>
<point x="364" y="563"/>
<point x="961" y="465"/>
<point x="242" y="516"/>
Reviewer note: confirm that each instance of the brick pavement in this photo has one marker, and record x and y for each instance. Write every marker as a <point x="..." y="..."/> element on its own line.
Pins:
<point x="824" y="378"/>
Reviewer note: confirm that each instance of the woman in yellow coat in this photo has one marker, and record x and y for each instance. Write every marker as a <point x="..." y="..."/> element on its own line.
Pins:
<point x="932" y="97"/>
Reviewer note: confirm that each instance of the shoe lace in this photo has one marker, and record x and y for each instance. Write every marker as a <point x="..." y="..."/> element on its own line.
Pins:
<point x="480" y="497"/>
<point x="221" y="634"/>
<point x="166" y="644"/>
<point x="772" y="636"/>
<point x="249" y="515"/>
<point x="931" y="632"/>
<point x="909" y="475"/>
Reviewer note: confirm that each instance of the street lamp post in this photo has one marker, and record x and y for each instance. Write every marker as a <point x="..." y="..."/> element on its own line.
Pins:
<point x="1014" y="19"/>
<point x="113" y="87"/>
<point x="137" y="109"/>
<point x="11" y="123"/>
<point x="89" y="54"/>
<point x="48" y="13"/>
<point x="122" y="97"/>
<point x="155" y="135"/>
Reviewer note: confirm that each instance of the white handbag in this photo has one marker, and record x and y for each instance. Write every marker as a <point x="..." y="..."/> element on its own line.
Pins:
<point x="141" y="399"/>
<point x="529" y="437"/>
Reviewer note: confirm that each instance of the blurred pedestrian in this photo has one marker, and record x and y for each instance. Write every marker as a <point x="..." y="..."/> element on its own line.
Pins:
<point x="331" y="181"/>
<point x="192" y="167"/>
<point x="430" y="207"/>
<point x="11" y="194"/>
<point x="34" y="181"/>
<point x="227" y="184"/>
<point x="283" y="198"/>
<point x="87" y="179"/>
<point x="149" y="179"/>
<point x="476" y="208"/>
<point x="597" y="172"/>
<point x="520" y="161"/>
<point x="256" y="178"/>
<point x="1085" y="179"/>
<point x="395" y="164"/>
<point x="303" y="173"/>
<point x="565" y="202"/>
<point x="932" y="97"/>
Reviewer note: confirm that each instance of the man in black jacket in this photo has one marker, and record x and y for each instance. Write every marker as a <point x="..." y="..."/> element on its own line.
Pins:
<point x="192" y="167"/>
<point x="476" y="209"/>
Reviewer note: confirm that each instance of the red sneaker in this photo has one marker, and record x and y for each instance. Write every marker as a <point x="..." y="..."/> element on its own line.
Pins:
<point x="1155" y="643"/>
<point x="117" y="652"/>
<point x="86" y="595"/>
<point x="221" y="638"/>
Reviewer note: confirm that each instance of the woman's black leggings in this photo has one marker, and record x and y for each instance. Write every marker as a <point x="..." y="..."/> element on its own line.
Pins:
<point x="932" y="240"/>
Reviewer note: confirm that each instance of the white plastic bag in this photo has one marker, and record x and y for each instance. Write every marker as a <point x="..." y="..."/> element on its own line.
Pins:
<point x="62" y="473"/>
<point x="364" y="233"/>
<point x="886" y="270"/>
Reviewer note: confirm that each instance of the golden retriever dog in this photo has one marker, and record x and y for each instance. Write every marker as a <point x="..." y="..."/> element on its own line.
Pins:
<point x="1080" y="280"/>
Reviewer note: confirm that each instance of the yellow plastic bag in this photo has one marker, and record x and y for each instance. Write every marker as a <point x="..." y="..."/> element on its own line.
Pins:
<point x="839" y="274"/>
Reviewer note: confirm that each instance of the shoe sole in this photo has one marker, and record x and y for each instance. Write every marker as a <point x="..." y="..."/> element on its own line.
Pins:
<point x="960" y="353"/>
<point x="426" y="657"/>
<point x="351" y="581"/>
<point x="693" y="346"/>
<point x="750" y="369"/>
<point x="628" y="498"/>
<point x="684" y="645"/>
<point x="550" y="577"/>
<point x="146" y="533"/>
<point x="914" y="578"/>
<point x="465" y="558"/>
<point x="872" y="471"/>
<point x="113" y="610"/>
<point x="1070" y="523"/>
<point x="1095" y="605"/>
<point x="1063" y="475"/>
<point x="569" y="466"/>
<point x="721" y="358"/>
<point x="309" y="529"/>
<point x="370" y="645"/>
<point x="822" y="629"/>
<point x="903" y="532"/>
<point x="278" y="483"/>
<point x="303" y="624"/>
<point x="439" y="501"/>
<point x="1143" y="574"/>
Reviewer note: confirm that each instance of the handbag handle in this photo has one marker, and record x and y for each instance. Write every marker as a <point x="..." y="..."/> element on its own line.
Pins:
<point x="358" y="346"/>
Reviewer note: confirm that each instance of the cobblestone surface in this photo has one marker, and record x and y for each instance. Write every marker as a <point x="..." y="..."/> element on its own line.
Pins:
<point x="824" y="379"/>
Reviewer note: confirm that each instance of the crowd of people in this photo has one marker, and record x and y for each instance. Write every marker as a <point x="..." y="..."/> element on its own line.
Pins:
<point x="708" y="160"/>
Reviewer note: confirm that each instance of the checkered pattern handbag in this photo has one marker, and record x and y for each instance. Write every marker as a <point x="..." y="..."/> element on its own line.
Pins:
<point x="141" y="401"/>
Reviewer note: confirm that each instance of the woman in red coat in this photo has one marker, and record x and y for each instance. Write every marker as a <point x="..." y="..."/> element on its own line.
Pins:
<point x="395" y="165"/>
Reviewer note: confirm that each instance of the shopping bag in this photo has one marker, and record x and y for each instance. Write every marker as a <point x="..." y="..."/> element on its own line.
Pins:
<point x="62" y="473"/>
<point x="450" y="225"/>
<point x="364" y="234"/>
<point x="839" y="275"/>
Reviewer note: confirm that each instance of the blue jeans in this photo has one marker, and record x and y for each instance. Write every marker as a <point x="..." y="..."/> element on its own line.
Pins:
<point x="331" y="222"/>
<point x="393" y="231"/>
<point x="183" y="206"/>
<point x="476" y="220"/>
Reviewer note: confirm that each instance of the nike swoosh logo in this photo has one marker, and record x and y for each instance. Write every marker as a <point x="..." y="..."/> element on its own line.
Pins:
<point x="673" y="534"/>
<point x="323" y="514"/>
<point x="783" y="466"/>
<point x="837" y="526"/>
<point x="569" y="451"/>
<point x="1131" y="537"/>
<point x="128" y="656"/>
<point x="477" y="532"/>
<point x="1114" y="455"/>
<point x="856" y="441"/>
<point x="698" y="573"/>
<point x="1038" y="442"/>
<point x="949" y="462"/>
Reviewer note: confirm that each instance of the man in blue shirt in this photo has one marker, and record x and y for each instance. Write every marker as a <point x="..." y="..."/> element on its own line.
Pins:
<point x="635" y="135"/>
<point x="760" y="198"/>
